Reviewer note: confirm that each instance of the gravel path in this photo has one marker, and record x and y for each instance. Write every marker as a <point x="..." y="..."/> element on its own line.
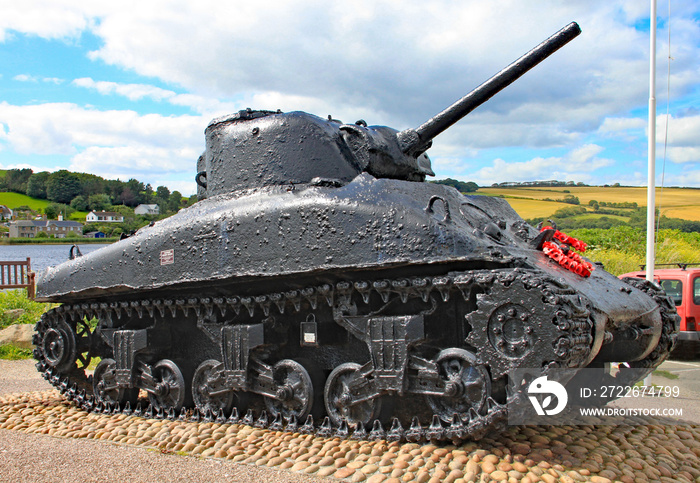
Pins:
<point x="41" y="458"/>
<point x="99" y="447"/>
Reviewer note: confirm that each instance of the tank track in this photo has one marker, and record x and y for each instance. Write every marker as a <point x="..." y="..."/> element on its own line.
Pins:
<point x="670" y="320"/>
<point x="566" y="322"/>
<point x="630" y="373"/>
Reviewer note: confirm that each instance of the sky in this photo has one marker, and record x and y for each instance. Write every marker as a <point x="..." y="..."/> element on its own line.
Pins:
<point x="125" y="89"/>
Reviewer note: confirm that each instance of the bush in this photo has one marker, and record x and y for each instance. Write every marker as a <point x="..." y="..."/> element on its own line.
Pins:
<point x="614" y="261"/>
<point x="14" y="353"/>
<point x="79" y="203"/>
<point x="571" y="199"/>
<point x="54" y="209"/>
<point x="623" y="249"/>
<point x="17" y="299"/>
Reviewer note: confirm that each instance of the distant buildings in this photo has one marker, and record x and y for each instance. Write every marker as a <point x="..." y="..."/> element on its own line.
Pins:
<point x="31" y="228"/>
<point x="5" y="213"/>
<point x="147" y="210"/>
<point x="104" y="216"/>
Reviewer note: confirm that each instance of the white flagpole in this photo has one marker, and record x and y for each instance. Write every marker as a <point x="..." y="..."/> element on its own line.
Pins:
<point x="651" y="178"/>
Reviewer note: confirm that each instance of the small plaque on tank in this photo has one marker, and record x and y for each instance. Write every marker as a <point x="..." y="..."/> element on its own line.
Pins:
<point x="167" y="257"/>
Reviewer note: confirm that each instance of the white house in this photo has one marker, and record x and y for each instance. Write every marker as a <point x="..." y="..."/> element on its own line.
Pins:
<point x="147" y="210"/>
<point x="5" y="213"/>
<point x="104" y="216"/>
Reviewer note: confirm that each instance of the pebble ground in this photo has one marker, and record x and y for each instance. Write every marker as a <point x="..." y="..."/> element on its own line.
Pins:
<point x="645" y="452"/>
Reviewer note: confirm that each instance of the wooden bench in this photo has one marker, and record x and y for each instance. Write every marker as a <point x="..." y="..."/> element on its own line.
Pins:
<point x="18" y="274"/>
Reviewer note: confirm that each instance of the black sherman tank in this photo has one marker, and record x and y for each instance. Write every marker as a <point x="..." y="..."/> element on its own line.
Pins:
<point x="321" y="278"/>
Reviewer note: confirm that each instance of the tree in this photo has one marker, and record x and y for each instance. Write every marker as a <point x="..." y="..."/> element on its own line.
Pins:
<point x="162" y="193"/>
<point x="36" y="186"/>
<point x="54" y="209"/>
<point x="99" y="202"/>
<point x="129" y="198"/>
<point x="133" y="193"/>
<point x="175" y="201"/>
<point x="468" y="187"/>
<point x="92" y="184"/>
<point x="114" y="189"/>
<point x="148" y="193"/>
<point x="16" y="179"/>
<point x="79" y="203"/>
<point x="62" y="186"/>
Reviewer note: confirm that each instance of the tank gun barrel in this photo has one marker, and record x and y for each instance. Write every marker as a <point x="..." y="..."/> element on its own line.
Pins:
<point x="416" y="141"/>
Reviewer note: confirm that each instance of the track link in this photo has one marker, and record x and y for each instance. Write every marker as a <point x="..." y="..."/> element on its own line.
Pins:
<point x="567" y="324"/>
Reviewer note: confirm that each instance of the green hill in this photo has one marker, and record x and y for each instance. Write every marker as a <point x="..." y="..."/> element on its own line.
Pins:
<point x="15" y="200"/>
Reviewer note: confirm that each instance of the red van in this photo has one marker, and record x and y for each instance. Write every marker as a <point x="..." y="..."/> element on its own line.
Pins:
<point x="682" y="284"/>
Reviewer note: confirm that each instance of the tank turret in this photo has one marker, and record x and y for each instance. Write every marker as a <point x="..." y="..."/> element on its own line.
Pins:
<point x="318" y="278"/>
<point x="258" y="148"/>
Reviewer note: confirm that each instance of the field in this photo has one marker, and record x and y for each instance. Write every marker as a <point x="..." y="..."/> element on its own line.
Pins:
<point x="529" y="201"/>
<point x="14" y="200"/>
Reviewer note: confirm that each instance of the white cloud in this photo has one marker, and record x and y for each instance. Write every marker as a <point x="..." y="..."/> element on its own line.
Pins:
<point x="680" y="154"/>
<point x="49" y="19"/>
<point x="615" y="125"/>
<point x="133" y="161"/>
<point x="687" y="178"/>
<point x="33" y="167"/>
<point x="386" y="61"/>
<point x="132" y="92"/>
<point x="579" y="165"/>
<point x="24" y="78"/>
<point x="682" y="131"/>
<point x="108" y="143"/>
<point x="34" y="79"/>
<point x="137" y="92"/>
<point x="419" y="60"/>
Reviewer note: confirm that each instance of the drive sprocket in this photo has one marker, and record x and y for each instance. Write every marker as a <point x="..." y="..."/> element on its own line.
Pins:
<point x="514" y="327"/>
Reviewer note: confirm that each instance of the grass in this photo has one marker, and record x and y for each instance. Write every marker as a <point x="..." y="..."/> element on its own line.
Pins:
<point x="17" y="299"/>
<point x="528" y="208"/>
<point x="666" y="374"/>
<point x="593" y="216"/>
<point x="14" y="200"/>
<point x="623" y="249"/>
<point x="14" y="353"/>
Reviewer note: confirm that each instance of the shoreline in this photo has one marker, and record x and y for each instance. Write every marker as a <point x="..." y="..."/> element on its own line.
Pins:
<point x="57" y="241"/>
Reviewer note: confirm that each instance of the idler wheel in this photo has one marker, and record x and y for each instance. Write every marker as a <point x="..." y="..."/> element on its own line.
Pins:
<point x="170" y="389"/>
<point x="338" y="395"/>
<point x="209" y="390"/>
<point x="104" y="384"/>
<point x="467" y="385"/>
<point x="59" y="347"/>
<point x="295" y="393"/>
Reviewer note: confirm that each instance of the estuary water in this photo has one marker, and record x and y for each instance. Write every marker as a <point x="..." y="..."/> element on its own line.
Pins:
<point x="44" y="255"/>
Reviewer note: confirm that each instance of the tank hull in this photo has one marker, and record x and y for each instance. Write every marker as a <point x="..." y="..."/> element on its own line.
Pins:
<point x="245" y="292"/>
